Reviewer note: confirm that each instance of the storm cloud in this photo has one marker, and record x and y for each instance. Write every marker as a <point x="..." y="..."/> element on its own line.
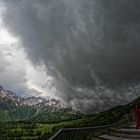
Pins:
<point x="90" y="48"/>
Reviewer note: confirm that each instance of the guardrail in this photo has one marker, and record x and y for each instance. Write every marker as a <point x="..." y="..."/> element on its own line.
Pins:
<point x="86" y="133"/>
<point x="83" y="133"/>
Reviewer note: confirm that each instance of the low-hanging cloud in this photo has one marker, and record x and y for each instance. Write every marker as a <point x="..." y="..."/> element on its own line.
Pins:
<point x="90" y="47"/>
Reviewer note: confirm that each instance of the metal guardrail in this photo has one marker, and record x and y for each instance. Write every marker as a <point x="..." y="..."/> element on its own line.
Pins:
<point x="56" y="134"/>
<point x="85" y="133"/>
<point x="73" y="133"/>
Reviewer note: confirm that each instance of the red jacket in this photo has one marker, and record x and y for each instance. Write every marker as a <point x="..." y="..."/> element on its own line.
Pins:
<point x="137" y="117"/>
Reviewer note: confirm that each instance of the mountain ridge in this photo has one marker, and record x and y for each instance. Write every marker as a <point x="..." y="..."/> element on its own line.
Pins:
<point x="15" y="108"/>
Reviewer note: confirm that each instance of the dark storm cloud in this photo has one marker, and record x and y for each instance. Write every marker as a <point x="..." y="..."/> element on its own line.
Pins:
<point x="86" y="45"/>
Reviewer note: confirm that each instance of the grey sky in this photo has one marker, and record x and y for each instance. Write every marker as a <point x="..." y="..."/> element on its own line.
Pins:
<point x="89" y="48"/>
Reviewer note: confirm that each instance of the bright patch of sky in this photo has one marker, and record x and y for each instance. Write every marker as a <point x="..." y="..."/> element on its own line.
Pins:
<point x="16" y="71"/>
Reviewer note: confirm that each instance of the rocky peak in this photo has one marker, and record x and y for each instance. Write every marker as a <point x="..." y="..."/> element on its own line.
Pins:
<point x="31" y="101"/>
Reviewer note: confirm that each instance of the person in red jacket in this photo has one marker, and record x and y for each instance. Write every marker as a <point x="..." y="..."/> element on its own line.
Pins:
<point x="136" y="111"/>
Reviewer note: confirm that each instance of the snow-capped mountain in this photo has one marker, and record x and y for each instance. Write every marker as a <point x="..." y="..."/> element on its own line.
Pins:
<point x="31" y="101"/>
<point x="13" y="108"/>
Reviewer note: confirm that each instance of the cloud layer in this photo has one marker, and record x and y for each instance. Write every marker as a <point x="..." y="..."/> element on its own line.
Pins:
<point x="91" y="48"/>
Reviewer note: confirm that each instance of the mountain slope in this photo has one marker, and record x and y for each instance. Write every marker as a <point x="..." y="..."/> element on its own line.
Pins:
<point x="32" y="130"/>
<point x="14" y="108"/>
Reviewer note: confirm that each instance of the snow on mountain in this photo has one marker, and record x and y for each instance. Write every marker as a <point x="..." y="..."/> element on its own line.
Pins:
<point x="31" y="101"/>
